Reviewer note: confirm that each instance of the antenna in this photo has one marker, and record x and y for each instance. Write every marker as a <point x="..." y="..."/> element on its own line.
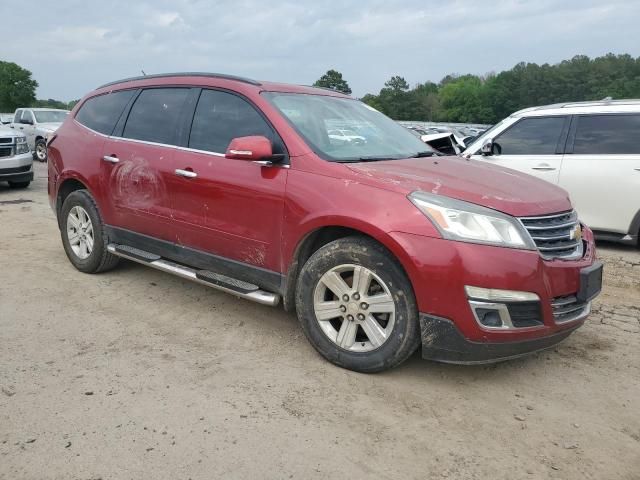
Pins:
<point x="143" y="74"/>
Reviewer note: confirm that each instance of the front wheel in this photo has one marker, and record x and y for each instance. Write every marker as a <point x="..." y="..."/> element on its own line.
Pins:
<point x="40" y="152"/>
<point x="357" y="307"/>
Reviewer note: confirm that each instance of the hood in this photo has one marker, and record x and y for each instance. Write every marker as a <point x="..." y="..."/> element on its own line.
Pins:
<point x="502" y="189"/>
<point x="53" y="126"/>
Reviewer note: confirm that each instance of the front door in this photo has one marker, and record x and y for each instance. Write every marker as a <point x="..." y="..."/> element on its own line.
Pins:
<point x="29" y="129"/>
<point x="601" y="170"/>
<point x="137" y="163"/>
<point x="532" y="145"/>
<point x="230" y="208"/>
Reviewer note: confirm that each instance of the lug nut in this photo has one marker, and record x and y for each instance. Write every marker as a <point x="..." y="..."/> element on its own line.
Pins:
<point x="364" y="306"/>
<point x="343" y="308"/>
<point x="356" y="296"/>
<point x="345" y="297"/>
<point x="360" y="316"/>
<point x="350" y="318"/>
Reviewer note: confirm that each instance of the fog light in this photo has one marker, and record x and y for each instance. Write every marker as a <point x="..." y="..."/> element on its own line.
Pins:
<point x="489" y="318"/>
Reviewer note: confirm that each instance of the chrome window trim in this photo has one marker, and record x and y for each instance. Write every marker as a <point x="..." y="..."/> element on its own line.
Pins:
<point x="166" y="145"/>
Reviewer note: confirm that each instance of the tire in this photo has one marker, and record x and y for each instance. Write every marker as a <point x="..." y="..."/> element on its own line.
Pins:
<point x="40" y="150"/>
<point x="19" y="184"/>
<point x="98" y="259"/>
<point x="388" y="288"/>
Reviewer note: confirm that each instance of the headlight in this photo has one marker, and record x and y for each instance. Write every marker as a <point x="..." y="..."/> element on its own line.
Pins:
<point x="467" y="222"/>
<point x="21" y="145"/>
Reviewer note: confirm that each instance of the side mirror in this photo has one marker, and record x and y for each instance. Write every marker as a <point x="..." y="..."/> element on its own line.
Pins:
<point x="252" y="148"/>
<point x="487" y="148"/>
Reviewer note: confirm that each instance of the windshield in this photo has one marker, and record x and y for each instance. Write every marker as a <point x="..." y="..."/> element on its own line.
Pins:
<point x="368" y="134"/>
<point x="53" y="116"/>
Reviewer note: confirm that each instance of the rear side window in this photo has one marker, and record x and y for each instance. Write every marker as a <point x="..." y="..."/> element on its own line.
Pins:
<point x="221" y="117"/>
<point x="607" y="134"/>
<point x="532" y="136"/>
<point x="155" y="115"/>
<point x="101" y="113"/>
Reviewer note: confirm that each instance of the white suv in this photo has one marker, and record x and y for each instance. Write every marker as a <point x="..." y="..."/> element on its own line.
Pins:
<point x="591" y="149"/>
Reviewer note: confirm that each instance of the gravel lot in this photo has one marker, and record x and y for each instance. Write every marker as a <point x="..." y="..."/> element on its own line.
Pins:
<point x="138" y="374"/>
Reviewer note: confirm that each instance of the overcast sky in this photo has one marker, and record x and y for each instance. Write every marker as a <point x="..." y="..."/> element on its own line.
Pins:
<point x="72" y="46"/>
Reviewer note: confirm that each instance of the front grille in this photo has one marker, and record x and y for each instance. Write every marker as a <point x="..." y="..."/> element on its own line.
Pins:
<point x="5" y="140"/>
<point x="566" y="309"/>
<point x="525" y="314"/>
<point x="6" y="152"/>
<point x="556" y="236"/>
<point x="7" y="171"/>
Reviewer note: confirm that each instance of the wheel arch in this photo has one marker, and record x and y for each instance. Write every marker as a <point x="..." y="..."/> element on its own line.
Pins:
<point x="320" y="234"/>
<point x="65" y="188"/>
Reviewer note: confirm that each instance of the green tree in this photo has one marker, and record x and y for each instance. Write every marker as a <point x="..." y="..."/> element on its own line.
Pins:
<point x="17" y="88"/>
<point x="333" y="80"/>
<point x="464" y="100"/>
<point x="50" y="103"/>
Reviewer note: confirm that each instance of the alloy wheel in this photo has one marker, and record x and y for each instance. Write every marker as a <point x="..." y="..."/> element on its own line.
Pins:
<point x="80" y="232"/>
<point x="354" y="308"/>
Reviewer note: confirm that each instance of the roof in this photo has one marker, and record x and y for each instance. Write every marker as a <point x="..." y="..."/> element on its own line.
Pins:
<point x="265" y="86"/>
<point x="602" y="106"/>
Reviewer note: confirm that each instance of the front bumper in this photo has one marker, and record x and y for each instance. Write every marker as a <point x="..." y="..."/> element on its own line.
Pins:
<point x="18" y="168"/>
<point x="443" y="342"/>
<point x="440" y="270"/>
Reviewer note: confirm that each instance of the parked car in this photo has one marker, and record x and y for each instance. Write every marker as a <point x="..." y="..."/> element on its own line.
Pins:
<point x="346" y="136"/>
<point x="16" y="162"/>
<point x="38" y="124"/>
<point x="6" y="118"/>
<point x="379" y="247"/>
<point x="591" y="149"/>
<point x="446" y="142"/>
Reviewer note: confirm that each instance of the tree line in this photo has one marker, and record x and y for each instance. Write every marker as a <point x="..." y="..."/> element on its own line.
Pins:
<point x="18" y="89"/>
<point x="456" y="98"/>
<point x="492" y="97"/>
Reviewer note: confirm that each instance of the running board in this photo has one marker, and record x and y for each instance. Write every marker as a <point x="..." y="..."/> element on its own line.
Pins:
<point x="205" y="277"/>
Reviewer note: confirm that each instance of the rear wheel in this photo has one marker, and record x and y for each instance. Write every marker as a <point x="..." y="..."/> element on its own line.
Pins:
<point x="40" y="152"/>
<point x="357" y="307"/>
<point x="83" y="235"/>
<point x="19" y="184"/>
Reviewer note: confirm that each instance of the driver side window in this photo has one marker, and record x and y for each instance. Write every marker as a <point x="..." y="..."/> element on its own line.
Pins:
<point x="531" y="136"/>
<point x="220" y="117"/>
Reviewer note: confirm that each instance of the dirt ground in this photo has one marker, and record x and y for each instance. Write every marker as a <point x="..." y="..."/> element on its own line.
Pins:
<point x="138" y="374"/>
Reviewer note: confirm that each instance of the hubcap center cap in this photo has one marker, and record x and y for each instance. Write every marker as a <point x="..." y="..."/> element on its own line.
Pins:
<point x="353" y="307"/>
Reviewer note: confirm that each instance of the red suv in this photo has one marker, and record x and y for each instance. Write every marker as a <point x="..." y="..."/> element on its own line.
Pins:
<point x="380" y="245"/>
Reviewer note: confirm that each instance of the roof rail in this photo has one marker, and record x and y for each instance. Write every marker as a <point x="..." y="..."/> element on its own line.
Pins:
<point x="327" y="89"/>
<point x="184" y="74"/>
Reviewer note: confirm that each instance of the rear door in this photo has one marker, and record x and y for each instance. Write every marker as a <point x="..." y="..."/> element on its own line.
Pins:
<point x="601" y="170"/>
<point x="230" y="208"/>
<point x="137" y="162"/>
<point x="532" y="145"/>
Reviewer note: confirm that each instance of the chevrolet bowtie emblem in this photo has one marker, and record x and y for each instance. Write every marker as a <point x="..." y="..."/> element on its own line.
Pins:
<point x="576" y="233"/>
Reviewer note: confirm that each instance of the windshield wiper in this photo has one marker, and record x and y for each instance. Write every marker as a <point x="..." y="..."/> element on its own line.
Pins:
<point x="426" y="153"/>
<point x="373" y="158"/>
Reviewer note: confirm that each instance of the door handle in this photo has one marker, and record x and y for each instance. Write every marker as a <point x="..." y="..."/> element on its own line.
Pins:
<point x="637" y="169"/>
<point x="186" y="173"/>
<point x="544" y="167"/>
<point x="110" y="159"/>
<point x="21" y="128"/>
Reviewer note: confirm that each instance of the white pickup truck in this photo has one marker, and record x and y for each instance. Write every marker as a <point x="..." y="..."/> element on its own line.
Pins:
<point x="37" y="124"/>
<point x="16" y="162"/>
